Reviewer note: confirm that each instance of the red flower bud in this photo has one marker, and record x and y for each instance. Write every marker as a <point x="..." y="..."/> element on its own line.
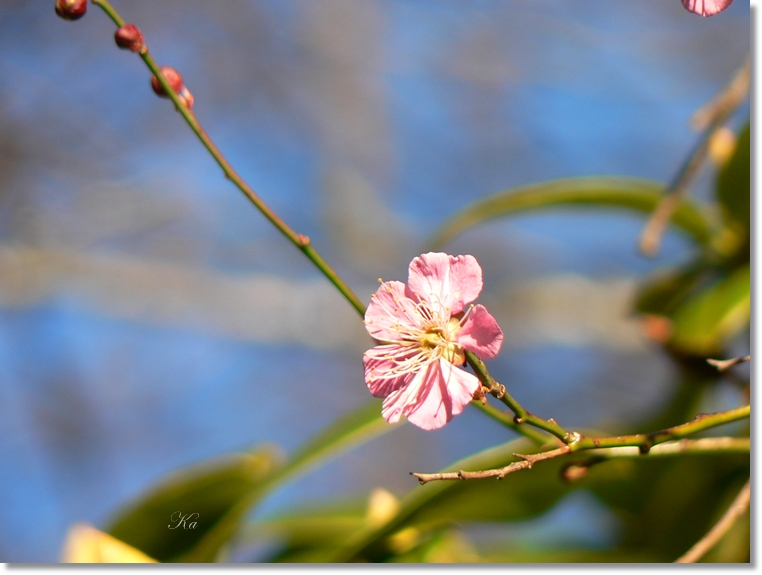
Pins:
<point x="173" y="77"/>
<point x="129" y="37"/>
<point x="71" y="9"/>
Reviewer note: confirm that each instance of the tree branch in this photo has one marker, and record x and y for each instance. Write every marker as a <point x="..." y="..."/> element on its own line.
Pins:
<point x="522" y="415"/>
<point x="504" y="418"/>
<point x="734" y="512"/>
<point x="644" y="442"/>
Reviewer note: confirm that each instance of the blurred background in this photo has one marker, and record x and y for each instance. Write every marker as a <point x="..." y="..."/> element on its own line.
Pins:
<point x="151" y="318"/>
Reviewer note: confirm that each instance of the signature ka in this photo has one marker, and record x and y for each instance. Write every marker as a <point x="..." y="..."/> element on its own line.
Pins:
<point x="187" y="521"/>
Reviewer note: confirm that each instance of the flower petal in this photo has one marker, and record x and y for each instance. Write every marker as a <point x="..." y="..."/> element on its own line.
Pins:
<point x="446" y="282"/>
<point x="445" y="395"/>
<point x="398" y="401"/>
<point x="433" y="397"/>
<point x="706" y="7"/>
<point x="480" y="333"/>
<point x="391" y="314"/>
<point x="382" y="368"/>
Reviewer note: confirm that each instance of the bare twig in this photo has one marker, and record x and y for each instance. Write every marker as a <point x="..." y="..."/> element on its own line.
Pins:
<point x="710" y="118"/>
<point x="734" y="512"/>
<point x="644" y="442"/>
<point x="527" y="461"/>
<point x="724" y="364"/>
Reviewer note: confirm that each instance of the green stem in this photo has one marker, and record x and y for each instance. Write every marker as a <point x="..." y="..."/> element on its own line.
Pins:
<point x="302" y="242"/>
<point x="703" y="446"/>
<point x="645" y="441"/>
<point x="504" y="418"/>
<point x="522" y="415"/>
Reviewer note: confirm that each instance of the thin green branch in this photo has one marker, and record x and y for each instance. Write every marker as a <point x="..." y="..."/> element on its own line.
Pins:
<point x="644" y="442"/>
<point x="302" y="242"/>
<point x="504" y="418"/>
<point x="703" y="446"/>
<point x="522" y="415"/>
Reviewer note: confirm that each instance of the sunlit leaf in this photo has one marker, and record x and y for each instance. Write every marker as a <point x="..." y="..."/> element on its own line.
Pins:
<point x="210" y="491"/>
<point x="633" y="194"/>
<point x="708" y="319"/>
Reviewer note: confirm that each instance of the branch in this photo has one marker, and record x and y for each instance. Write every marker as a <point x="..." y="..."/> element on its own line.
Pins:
<point x="705" y="445"/>
<point x="725" y="364"/>
<point x="643" y="442"/>
<point x="710" y="118"/>
<point x="301" y="241"/>
<point x="504" y="418"/>
<point x="734" y="512"/>
<point x="522" y="415"/>
<point x="527" y="461"/>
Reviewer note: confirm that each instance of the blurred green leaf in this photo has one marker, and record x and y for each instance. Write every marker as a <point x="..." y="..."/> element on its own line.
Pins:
<point x="704" y="323"/>
<point x="211" y="490"/>
<point x="437" y="504"/>
<point x="352" y="429"/>
<point x="667" y="505"/>
<point x="599" y="192"/>
<point x="223" y="493"/>
<point x="662" y="293"/>
<point x="310" y="534"/>
<point x="734" y="183"/>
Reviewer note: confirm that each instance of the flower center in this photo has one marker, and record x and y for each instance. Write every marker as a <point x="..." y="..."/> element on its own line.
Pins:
<point x="441" y="337"/>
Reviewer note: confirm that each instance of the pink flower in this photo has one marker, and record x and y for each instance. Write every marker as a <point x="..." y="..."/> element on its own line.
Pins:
<point x="424" y="330"/>
<point x="706" y="7"/>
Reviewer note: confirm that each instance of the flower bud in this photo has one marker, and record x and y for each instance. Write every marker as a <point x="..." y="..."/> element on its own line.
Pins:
<point x="71" y="9"/>
<point x="173" y="77"/>
<point x="129" y="37"/>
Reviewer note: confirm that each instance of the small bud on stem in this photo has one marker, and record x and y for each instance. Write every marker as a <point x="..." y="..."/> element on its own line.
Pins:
<point x="173" y="77"/>
<point x="129" y="37"/>
<point x="71" y="9"/>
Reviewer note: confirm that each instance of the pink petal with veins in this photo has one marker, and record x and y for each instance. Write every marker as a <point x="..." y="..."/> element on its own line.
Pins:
<point x="389" y="308"/>
<point x="380" y="362"/>
<point x="706" y="7"/>
<point x="446" y="282"/>
<point x="480" y="333"/>
<point x="444" y="393"/>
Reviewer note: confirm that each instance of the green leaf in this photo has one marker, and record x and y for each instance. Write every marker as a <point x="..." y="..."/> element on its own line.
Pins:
<point x="355" y="428"/>
<point x="439" y="503"/>
<point x="211" y="490"/>
<point x="662" y="293"/>
<point x="666" y="505"/>
<point x="599" y="192"/>
<point x="734" y="183"/>
<point x="707" y="320"/>
<point x="223" y="493"/>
